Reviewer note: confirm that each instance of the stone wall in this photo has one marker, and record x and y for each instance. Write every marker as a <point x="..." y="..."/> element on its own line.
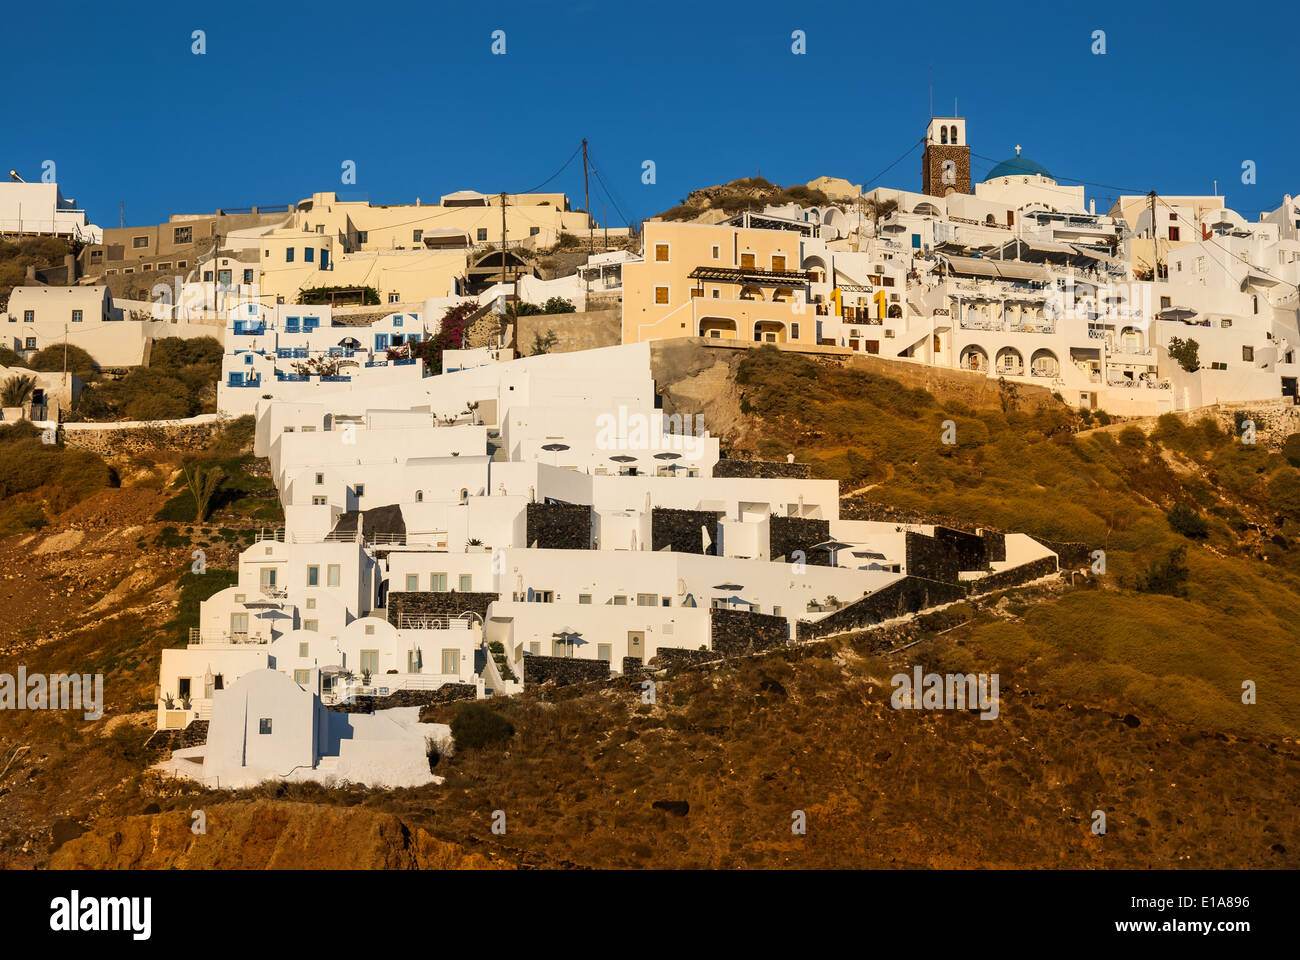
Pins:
<point x="573" y="331"/>
<point x="425" y="603"/>
<point x="734" y="633"/>
<point x="788" y="534"/>
<point x="134" y="437"/>
<point x="1070" y="552"/>
<point x="674" y="656"/>
<point x="559" y="526"/>
<point x="679" y="530"/>
<point x="901" y="597"/>
<point x="1015" y="576"/>
<point x="763" y="469"/>
<point x="995" y="545"/>
<point x="447" y="693"/>
<point x="540" y="669"/>
<point x="632" y="666"/>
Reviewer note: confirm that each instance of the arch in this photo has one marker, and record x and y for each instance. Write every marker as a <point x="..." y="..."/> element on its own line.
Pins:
<point x="1010" y="362"/>
<point x="816" y="266"/>
<point x="926" y="209"/>
<point x="1044" y="364"/>
<point x="419" y="496"/>
<point x="783" y="295"/>
<point x="464" y="495"/>
<point x="723" y="328"/>
<point x="895" y="312"/>
<point x="769" y="331"/>
<point x="751" y="292"/>
<point x="1130" y="340"/>
<point x="990" y="219"/>
<point x="943" y="134"/>
<point x="974" y="358"/>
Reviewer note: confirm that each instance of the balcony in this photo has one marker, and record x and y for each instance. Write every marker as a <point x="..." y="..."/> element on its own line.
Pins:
<point x="249" y="328"/>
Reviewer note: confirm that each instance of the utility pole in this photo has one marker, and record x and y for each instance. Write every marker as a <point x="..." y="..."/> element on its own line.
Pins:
<point x="503" y="238"/>
<point x="586" y="200"/>
<point x="122" y="223"/>
<point x="1155" y="241"/>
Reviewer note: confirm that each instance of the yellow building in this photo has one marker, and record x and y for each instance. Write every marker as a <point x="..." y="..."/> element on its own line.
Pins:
<point x="719" y="281"/>
<point x="464" y="218"/>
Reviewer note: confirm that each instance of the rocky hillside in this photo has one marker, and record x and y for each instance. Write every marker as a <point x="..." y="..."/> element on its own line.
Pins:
<point x="1120" y="692"/>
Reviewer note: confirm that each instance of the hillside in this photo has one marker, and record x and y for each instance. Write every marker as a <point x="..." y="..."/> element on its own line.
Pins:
<point x="1120" y="692"/>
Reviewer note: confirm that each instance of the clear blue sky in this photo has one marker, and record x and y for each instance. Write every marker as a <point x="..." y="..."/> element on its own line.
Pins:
<point x="709" y="91"/>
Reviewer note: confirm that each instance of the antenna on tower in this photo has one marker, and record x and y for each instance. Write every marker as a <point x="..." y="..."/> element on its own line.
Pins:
<point x="931" y="88"/>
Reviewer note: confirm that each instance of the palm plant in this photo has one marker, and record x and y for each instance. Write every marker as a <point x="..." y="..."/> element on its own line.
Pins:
<point x="17" y="390"/>
<point x="203" y="486"/>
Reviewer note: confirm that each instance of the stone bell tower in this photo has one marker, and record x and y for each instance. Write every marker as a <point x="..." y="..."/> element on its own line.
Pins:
<point x="945" y="165"/>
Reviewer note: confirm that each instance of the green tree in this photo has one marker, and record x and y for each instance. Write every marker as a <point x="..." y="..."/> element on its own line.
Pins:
<point x="203" y="485"/>
<point x="17" y="390"/>
<point x="1186" y="352"/>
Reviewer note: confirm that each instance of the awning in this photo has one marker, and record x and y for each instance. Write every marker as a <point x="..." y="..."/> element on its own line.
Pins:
<point x="997" y="269"/>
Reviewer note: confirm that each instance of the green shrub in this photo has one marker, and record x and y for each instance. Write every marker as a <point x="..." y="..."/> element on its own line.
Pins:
<point x="1187" y="521"/>
<point x="476" y="726"/>
<point x="1291" y="449"/>
<point x="20" y="517"/>
<point x="1167" y="574"/>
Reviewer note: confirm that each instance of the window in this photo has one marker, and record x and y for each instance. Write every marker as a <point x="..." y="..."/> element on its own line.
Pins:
<point x="332" y="575"/>
<point x="319" y="501"/>
<point x="417" y="235"/>
<point x="1173" y="234"/>
<point x="302" y="677"/>
<point x="466" y="583"/>
<point x="138" y="242"/>
<point x="419" y="496"/>
<point x="182" y="264"/>
<point x="313" y="576"/>
<point x="182" y="235"/>
<point x="667" y="601"/>
<point x="794" y="331"/>
<point x="312" y="625"/>
<point x="164" y="266"/>
<point x="1248" y="354"/>
<point x="29" y="343"/>
<point x="76" y="316"/>
<point x="360" y="490"/>
<point x="776" y="611"/>
<point x="647" y="599"/>
<point x="288" y="254"/>
<point x="370" y="629"/>
<point x="584" y="598"/>
<point x="534" y="231"/>
<point x="451" y="661"/>
<point x="311" y="603"/>
<point x="661" y="294"/>
<point x="363" y="236"/>
<point x="29" y="316"/>
<point x="717" y="251"/>
<point x="604" y="651"/>
<point x="535" y="647"/>
<point x="412" y="582"/>
<point x="620" y="601"/>
<point x="481" y="235"/>
<point x="778" y="263"/>
<point x="207" y="276"/>
<point x="394" y="297"/>
<point x="264" y="726"/>
<point x="661" y="253"/>
<point x="183" y="686"/>
<point x="320" y="479"/>
<point x="1218" y="366"/>
<point x="223" y="277"/>
<point x="370" y="661"/>
<point x="303" y="649"/>
<point x="248" y="276"/>
<point x="1165" y="303"/>
<point x="1225" y="322"/>
<point x="747" y="261"/>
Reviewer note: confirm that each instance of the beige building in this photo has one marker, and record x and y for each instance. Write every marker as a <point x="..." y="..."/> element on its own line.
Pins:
<point x="718" y="281"/>
<point x="172" y="248"/>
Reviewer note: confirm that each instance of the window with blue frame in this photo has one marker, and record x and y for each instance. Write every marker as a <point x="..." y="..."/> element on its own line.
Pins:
<point x="290" y="324"/>
<point x="381" y="341"/>
<point x="236" y="380"/>
<point x="310" y="323"/>
<point x="288" y="254"/>
<point x="309" y="255"/>
<point x="397" y="321"/>
<point x="916" y="241"/>
<point x="248" y="359"/>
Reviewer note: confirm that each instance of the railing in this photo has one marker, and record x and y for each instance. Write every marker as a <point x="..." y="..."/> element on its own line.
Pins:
<point x="416" y="621"/>
<point x="275" y="533"/>
<point x="199" y="637"/>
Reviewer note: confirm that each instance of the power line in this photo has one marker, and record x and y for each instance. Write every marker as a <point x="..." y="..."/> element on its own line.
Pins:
<point x="609" y="194"/>
<point x="1213" y="242"/>
<point x="872" y="180"/>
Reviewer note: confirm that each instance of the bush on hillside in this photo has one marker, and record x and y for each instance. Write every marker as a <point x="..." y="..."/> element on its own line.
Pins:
<point x="476" y="726"/>
<point x="1187" y="521"/>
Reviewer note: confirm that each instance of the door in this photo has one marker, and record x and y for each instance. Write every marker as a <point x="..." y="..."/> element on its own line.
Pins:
<point x="268" y="578"/>
<point x="636" y="644"/>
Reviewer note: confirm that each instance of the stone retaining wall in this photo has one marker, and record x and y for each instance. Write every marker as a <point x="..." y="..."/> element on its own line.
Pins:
<point x="764" y="469"/>
<point x="788" y="534"/>
<point x="563" y="670"/>
<point x="447" y="693"/>
<point x="734" y="633"/>
<point x="559" y="526"/>
<point x="901" y="597"/>
<point x="679" y="530"/>
<point x="425" y="603"/>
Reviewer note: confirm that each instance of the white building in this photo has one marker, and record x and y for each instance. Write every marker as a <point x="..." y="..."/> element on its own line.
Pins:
<point x="40" y="209"/>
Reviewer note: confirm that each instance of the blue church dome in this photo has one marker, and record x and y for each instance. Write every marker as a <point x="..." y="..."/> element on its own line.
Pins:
<point x="1018" y="167"/>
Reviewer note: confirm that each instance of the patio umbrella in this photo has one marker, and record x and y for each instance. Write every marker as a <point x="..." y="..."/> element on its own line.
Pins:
<point x="833" y="547"/>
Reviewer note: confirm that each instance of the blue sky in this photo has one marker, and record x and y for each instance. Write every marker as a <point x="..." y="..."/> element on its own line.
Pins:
<point x="708" y="91"/>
